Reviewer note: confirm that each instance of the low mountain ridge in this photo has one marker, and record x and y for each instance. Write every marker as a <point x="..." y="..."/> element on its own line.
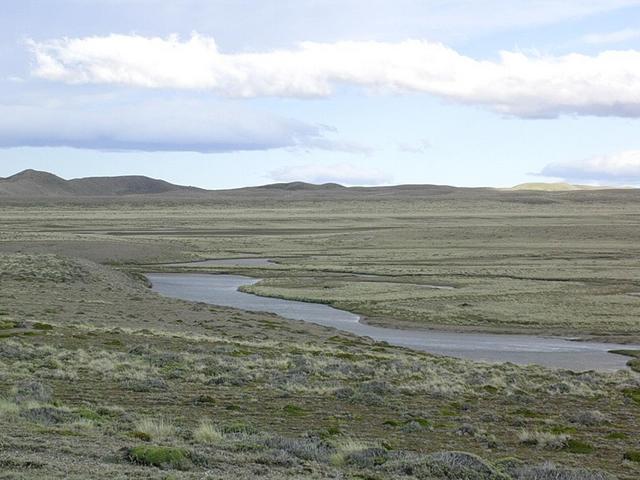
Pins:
<point x="34" y="183"/>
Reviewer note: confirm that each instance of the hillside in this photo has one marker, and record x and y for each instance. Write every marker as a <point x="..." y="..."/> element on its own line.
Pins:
<point x="33" y="183"/>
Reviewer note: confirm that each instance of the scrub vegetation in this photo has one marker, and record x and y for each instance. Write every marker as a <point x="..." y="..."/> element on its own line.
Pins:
<point x="102" y="378"/>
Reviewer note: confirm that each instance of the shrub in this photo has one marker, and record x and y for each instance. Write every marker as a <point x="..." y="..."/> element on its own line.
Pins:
<point x="302" y="448"/>
<point x="549" y="471"/>
<point x="161" y="457"/>
<point x="589" y="418"/>
<point x="46" y="415"/>
<point x="551" y="441"/>
<point x="32" y="390"/>
<point x="441" y="465"/>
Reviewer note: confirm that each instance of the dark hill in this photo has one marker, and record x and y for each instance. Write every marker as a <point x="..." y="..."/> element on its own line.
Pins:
<point x="33" y="183"/>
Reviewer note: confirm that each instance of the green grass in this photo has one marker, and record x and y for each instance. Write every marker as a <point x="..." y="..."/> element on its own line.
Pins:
<point x="632" y="456"/>
<point x="633" y="394"/>
<point x="579" y="446"/>
<point x="293" y="410"/>
<point x="42" y="326"/>
<point x="162" y="457"/>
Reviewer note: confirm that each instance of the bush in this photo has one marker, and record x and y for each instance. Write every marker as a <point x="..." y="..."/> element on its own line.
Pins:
<point x="303" y="448"/>
<point x="549" y="471"/>
<point x="46" y="415"/>
<point x="32" y="390"/>
<point x="443" y="465"/>
<point x="551" y="441"/>
<point x="589" y="418"/>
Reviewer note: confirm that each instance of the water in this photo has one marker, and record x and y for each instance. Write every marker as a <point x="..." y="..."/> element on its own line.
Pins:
<point x="522" y="349"/>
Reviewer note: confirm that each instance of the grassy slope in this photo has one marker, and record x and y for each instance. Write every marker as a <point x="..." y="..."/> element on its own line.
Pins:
<point x="98" y="374"/>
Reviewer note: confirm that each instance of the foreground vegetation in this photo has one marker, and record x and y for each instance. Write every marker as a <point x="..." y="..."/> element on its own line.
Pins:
<point x="100" y="374"/>
<point x="102" y="378"/>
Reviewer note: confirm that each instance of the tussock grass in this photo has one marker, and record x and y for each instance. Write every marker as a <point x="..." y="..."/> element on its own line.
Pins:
<point x="207" y="432"/>
<point x="156" y="428"/>
<point x="345" y="447"/>
<point x="8" y="408"/>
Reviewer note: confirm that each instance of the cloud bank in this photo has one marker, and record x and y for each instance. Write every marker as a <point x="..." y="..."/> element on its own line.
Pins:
<point x="524" y="85"/>
<point x="158" y="126"/>
<point x="342" y="173"/>
<point x="619" y="168"/>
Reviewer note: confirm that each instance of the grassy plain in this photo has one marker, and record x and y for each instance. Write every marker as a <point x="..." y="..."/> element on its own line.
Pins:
<point x="101" y="378"/>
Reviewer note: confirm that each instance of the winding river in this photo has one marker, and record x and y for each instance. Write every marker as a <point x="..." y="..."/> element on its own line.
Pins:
<point x="222" y="290"/>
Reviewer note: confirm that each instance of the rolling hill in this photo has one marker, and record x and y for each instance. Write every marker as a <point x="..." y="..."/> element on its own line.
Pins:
<point x="33" y="183"/>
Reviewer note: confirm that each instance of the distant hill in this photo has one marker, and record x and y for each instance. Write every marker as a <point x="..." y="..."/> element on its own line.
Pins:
<point x="33" y="183"/>
<point x="36" y="185"/>
<point x="302" y="186"/>
<point x="555" y="187"/>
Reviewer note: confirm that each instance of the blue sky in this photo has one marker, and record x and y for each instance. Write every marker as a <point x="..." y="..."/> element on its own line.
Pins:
<point x="230" y="93"/>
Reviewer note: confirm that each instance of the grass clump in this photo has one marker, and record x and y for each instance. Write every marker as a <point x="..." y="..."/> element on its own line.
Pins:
<point x="578" y="446"/>
<point x="161" y="457"/>
<point x="346" y="448"/>
<point x="156" y="429"/>
<point x="293" y="410"/>
<point x="632" y="455"/>
<point x="8" y="408"/>
<point x="42" y="326"/>
<point x="633" y="394"/>
<point x="7" y="324"/>
<point x="207" y="433"/>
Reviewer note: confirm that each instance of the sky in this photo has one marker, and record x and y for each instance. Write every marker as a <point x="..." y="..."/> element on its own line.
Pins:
<point x="230" y="93"/>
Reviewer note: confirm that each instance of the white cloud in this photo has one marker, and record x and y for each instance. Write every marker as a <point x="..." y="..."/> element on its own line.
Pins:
<point x="525" y="85"/>
<point x="619" y="168"/>
<point x="612" y="37"/>
<point x="417" y="147"/>
<point x="178" y="125"/>
<point x="342" y="173"/>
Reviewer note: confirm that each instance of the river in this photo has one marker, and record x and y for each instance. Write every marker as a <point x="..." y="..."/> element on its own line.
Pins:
<point x="219" y="289"/>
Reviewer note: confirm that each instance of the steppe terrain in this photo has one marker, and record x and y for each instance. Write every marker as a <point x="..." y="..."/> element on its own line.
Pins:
<point x="102" y="378"/>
